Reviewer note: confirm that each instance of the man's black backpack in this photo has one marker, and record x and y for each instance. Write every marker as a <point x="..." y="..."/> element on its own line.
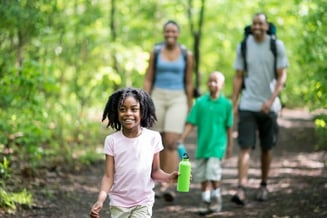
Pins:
<point x="272" y="31"/>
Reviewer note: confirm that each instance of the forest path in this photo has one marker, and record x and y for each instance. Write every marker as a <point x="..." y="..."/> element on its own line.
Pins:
<point x="298" y="184"/>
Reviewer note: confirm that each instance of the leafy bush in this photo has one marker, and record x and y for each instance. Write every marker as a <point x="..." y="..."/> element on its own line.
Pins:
<point x="8" y="201"/>
<point x="321" y="131"/>
<point x="5" y="171"/>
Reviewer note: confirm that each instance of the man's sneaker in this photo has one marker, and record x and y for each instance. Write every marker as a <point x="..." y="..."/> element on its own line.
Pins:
<point x="216" y="203"/>
<point x="204" y="208"/>
<point x="262" y="194"/>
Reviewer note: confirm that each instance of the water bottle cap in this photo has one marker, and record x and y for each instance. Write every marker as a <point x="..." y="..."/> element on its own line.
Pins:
<point x="185" y="156"/>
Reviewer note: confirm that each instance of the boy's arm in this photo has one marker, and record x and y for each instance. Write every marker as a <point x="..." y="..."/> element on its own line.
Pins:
<point x="229" y="149"/>
<point x="188" y="128"/>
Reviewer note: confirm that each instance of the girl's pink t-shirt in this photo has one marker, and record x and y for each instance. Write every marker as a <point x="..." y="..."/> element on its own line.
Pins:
<point x="133" y="159"/>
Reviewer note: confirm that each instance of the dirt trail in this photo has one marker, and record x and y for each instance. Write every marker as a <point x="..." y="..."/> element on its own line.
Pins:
<point x="298" y="185"/>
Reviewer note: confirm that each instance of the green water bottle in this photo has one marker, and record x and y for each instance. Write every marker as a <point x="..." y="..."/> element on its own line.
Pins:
<point x="184" y="169"/>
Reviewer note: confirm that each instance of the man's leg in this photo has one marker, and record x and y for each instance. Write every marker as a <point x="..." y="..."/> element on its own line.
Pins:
<point x="268" y="132"/>
<point x="243" y="166"/>
<point x="246" y="138"/>
<point x="266" y="156"/>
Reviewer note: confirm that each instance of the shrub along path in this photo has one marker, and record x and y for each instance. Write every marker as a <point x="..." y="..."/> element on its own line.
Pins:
<point x="298" y="185"/>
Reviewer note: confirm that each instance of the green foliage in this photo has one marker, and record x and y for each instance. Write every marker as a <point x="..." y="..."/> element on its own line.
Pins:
<point x="5" y="171"/>
<point x="60" y="60"/>
<point x="314" y="53"/>
<point x="321" y="131"/>
<point x="8" y="201"/>
<point x="23" y="106"/>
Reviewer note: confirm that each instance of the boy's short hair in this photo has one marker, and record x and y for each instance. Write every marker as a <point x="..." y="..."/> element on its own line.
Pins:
<point x="220" y="75"/>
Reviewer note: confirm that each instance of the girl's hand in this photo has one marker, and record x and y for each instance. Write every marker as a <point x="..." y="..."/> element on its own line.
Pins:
<point x="95" y="210"/>
<point x="173" y="177"/>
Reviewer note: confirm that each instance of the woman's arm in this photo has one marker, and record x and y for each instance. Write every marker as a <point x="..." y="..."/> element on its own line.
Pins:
<point x="148" y="80"/>
<point x="189" y="80"/>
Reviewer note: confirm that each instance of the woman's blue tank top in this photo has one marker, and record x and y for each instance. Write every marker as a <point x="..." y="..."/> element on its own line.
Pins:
<point x="170" y="74"/>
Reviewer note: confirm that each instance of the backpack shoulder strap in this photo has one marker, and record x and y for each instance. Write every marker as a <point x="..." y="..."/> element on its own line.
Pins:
<point x="247" y="32"/>
<point x="272" y="31"/>
<point x="273" y="48"/>
<point x="184" y="51"/>
<point x="156" y="50"/>
<point x="243" y="53"/>
<point x="243" y="47"/>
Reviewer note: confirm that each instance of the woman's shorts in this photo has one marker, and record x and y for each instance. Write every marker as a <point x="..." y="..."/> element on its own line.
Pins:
<point x="171" y="110"/>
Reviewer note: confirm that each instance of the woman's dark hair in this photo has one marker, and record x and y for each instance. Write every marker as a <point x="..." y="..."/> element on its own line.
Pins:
<point x="171" y="22"/>
<point x="147" y="108"/>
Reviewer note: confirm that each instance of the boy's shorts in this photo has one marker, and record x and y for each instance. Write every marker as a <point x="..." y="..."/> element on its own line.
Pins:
<point x="208" y="169"/>
<point x="252" y="122"/>
<point x="171" y="110"/>
<point x="140" y="211"/>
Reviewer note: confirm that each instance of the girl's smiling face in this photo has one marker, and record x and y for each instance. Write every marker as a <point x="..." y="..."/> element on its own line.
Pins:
<point x="129" y="114"/>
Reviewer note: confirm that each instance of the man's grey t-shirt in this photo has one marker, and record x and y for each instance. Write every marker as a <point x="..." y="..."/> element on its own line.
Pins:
<point x="260" y="80"/>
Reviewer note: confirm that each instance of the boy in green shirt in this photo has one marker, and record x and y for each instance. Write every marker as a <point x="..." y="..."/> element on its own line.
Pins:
<point x="212" y="114"/>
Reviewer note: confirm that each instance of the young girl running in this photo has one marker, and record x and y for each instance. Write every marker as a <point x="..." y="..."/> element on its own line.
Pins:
<point x="132" y="156"/>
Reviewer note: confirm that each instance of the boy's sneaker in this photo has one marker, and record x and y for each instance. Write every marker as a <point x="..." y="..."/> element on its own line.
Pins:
<point x="216" y="203"/>
<point x="262" y="194"/>
<point x="204" y="208"/>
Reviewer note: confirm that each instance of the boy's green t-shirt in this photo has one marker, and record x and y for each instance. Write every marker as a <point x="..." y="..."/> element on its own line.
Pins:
<point x="212" y="118"/>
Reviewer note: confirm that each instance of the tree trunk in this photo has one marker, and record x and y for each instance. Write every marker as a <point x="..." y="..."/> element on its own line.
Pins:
<point x="113" y="38"/>
<point x="196" y="43"/>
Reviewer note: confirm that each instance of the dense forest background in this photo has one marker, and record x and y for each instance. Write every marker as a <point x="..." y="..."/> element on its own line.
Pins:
<point x="60" y="60"/>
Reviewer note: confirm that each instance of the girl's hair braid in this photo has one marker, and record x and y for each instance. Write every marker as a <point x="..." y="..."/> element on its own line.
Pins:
<point x="147" y="108"/>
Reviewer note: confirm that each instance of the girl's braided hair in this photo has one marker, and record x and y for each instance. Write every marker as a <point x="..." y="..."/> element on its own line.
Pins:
<point x="147" y="108"/>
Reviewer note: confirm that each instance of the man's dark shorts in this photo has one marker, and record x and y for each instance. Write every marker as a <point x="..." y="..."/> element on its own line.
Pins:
<point x="252" y="122"/>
